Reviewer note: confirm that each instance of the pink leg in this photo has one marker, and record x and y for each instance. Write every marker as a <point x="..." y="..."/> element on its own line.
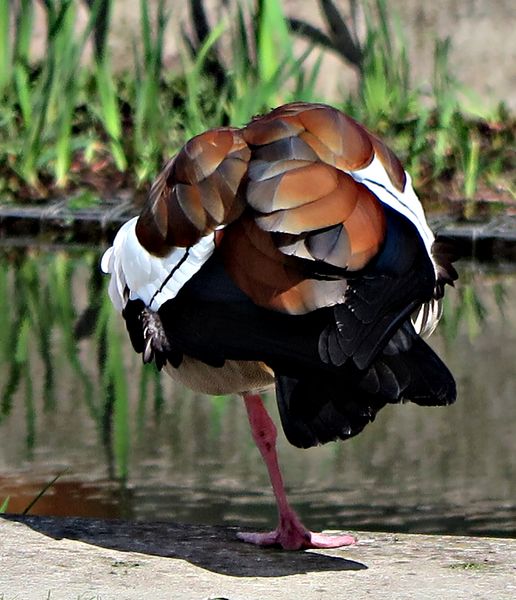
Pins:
<point x="290" y="533"/>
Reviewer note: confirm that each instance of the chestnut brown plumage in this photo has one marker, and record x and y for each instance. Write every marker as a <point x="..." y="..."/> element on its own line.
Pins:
<point x="294" y="252"/>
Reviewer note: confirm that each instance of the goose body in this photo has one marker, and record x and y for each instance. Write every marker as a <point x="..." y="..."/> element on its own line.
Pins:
<point x="294" y="253"/>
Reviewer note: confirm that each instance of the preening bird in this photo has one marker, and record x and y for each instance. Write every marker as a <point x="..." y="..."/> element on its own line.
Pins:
<point x="292" y="252"/>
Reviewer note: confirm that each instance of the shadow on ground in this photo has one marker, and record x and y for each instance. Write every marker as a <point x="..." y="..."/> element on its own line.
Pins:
<point x="213" y="548"/>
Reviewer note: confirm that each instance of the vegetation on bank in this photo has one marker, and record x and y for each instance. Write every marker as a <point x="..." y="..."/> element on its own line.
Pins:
<point x="70" y="126"/>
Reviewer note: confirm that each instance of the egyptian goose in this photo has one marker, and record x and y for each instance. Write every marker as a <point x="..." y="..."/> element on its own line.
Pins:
<point x="292" y="252"/>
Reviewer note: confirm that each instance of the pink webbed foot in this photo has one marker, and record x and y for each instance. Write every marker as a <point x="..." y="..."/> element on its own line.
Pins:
<point x="298" y="542"/>
<point x="292" y="535"/>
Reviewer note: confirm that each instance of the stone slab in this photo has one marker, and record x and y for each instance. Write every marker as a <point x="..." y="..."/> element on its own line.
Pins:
<point x="50" y="558"/>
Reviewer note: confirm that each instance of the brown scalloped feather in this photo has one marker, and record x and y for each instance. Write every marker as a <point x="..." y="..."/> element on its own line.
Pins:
<point x="335" y="138"/>
<point x="196" y="192"/>
<point x="390" y="162"/>
<point x="293" y="188"/>
<point x="296" y="189"/>
<point x="268" y="276"/>
<point x="366" y="228"/>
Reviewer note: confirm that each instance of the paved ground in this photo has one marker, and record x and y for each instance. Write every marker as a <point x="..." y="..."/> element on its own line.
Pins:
<point x="45" y="558"/>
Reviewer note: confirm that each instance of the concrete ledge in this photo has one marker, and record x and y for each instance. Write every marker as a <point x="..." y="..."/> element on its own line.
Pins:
<point x="47" y="558"/>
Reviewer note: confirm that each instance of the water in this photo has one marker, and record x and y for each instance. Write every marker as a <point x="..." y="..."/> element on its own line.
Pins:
<point x="130" y="443"/>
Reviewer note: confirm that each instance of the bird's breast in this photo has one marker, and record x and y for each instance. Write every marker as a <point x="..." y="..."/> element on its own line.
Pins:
<point x="236" y="376"/>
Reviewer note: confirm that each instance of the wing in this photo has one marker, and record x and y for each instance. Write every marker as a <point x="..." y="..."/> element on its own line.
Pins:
<point x="197" y="192"/>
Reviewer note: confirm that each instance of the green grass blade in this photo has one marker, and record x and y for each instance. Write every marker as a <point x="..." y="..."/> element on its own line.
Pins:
<point x="110" y="111"/>
<point x="471" y="173"/>
<point x="69" y="53"/>
<point x="41" y="493"/>
<point x="146" y="30"/>
<point x="22" y="343"/>
<point x="195" y="82"/>
<point x="101" y="28"/>
<point x="306" y="82"/>
<point x="4" y="505"/>
<point x="22" y="86"/>
<point x="148" y="118"/>
<point x="63" y="145"/>
<point x="273" y="42"/>
<point x="24" y="26"/>
<point x="5" y="46"/>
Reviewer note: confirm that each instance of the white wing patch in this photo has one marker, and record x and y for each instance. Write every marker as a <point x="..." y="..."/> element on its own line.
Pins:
<point x="152" y="279"/>
<point x="375" y="178"/>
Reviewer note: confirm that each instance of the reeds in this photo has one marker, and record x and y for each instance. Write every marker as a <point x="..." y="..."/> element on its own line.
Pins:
<point x="72" y="122"/>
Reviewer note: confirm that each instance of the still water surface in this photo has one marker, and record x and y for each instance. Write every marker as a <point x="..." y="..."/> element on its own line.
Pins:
<point x="130" y="443"/>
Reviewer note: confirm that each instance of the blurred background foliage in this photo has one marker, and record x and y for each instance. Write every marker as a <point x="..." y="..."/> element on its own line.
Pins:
<point x="68" y="124"/>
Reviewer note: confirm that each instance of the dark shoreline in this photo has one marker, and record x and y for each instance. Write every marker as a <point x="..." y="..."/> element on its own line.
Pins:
<point x="487" y="240"/>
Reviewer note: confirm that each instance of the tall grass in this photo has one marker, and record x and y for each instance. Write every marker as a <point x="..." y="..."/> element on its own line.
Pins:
<point x="48" y="102"/>
<point x="385" y="87"/>
<point x="149" y="70"/>
<point x="67" y="122"/>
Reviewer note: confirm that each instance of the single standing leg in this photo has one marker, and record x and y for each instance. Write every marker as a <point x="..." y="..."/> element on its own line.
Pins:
<point x="290" y="534"/>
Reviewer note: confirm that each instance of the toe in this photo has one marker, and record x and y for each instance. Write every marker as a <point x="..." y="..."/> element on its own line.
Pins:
<point x="321" y="540"/>
<point x="259" y="539"/>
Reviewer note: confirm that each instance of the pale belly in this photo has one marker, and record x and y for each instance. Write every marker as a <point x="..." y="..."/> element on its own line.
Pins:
<point x="236" y="376"/>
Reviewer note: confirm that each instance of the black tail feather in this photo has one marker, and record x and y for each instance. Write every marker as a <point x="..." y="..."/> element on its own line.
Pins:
<point x="420" y="376"/>
<point x="315" y="410"/>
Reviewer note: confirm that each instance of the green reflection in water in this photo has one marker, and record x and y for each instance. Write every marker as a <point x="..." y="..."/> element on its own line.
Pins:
<point x="74" y="396"/>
